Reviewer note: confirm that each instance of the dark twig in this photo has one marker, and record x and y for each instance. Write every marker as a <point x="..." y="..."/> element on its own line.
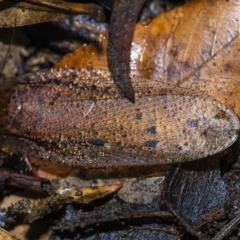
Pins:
<point x="167" y="229"/>
<point x="214" y="214"/>
<point x="183" y="221"/>
<point x="24" y="181"/>
<point x="106" y="214"/>
<point x="227" y="228"/>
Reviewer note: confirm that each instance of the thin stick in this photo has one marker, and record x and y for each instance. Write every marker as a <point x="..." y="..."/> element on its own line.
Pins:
<point x="183" y="221"/>
<point x="227" y="228"/>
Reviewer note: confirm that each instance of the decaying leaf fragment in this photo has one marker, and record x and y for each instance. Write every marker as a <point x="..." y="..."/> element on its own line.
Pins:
<point x="4" y="235"/>
<point x="14" y="14"/>
<point x="71" y="195"/>
<point x="88" y="194"/>
<point x="79" y="117"/>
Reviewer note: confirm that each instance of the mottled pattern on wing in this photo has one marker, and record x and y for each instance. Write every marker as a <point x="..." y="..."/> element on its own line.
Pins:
<point x="79" y="117"/>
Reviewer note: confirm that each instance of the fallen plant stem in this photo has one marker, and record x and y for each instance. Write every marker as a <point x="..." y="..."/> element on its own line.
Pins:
<point x="227" y="228"/>
<point x="167" y="229"/>
<point x="183" y="221"/>
<point x="24" y="181"/>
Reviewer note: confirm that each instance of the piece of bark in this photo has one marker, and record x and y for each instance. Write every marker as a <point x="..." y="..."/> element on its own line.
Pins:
<point x="28" y="182"/>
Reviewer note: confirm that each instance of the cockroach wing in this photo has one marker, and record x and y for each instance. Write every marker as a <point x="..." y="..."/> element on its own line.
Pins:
<point x="86" y="122"/>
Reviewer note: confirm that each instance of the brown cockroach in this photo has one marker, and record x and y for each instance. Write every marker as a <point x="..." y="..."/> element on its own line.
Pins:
<point x="79" y="117"/>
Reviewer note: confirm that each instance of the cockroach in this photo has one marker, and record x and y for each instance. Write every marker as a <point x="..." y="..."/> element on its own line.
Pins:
<point x="79" y="117"/>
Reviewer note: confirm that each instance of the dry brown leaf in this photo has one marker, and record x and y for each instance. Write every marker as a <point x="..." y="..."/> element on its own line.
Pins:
<point x="14" y="14"/>
<point x="195" y="46"/>
<point x="89" y="55"/>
